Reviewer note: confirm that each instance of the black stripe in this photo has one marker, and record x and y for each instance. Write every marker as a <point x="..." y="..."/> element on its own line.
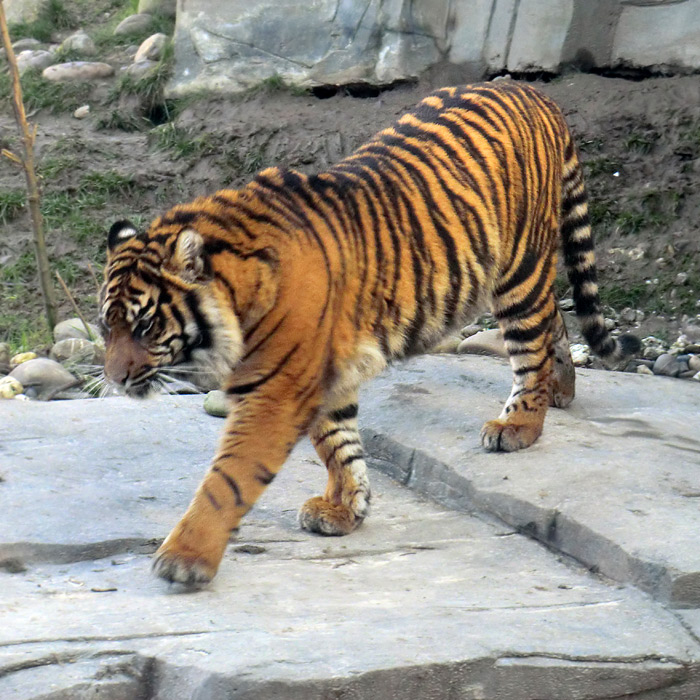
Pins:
<point x="345" y="413"/>
<point x="345" y="443"/>
<point x="264" y="475"/>
<point x="251" y="386"/>
<point x="232" y="485"/>
<point x="353" y="458"/>
<point x="211" y="498"/>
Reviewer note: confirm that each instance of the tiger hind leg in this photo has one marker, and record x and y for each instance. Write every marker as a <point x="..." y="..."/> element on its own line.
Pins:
<point x="528" y="340"/>
<point x="345" y="502"/>
<point x="563" y="372"/>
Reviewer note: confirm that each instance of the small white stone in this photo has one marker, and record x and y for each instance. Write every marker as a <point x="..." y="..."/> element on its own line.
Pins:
<point x="82" y="112"/>
<point x="643" y="369"/>
<point x="694" y="363"/>
<point x="580" y="354"/>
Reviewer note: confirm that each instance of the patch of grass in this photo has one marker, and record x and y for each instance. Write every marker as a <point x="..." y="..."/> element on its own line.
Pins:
<point x="601" y="166"/>
<point x="243" y="162"/>
<point x="11" y="204"/>
<point x="39" y="93"/>
<point x="22" y="332"/>
<point x="181" y="142"/>
<point x="105" y="38"/>
<point x="118" y="120"/>
<point x="53" y="15"/>
<point x="51" y="166"/>
<point x="275" y="83"/>
<point x="619" y="296"/>
<point x="642" y="141"/>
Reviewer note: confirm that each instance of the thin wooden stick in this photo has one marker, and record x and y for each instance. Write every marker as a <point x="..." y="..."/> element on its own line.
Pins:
<point x="72" y="301"/>
<point x="94" y="279"/>
<point x="33" y="197"/>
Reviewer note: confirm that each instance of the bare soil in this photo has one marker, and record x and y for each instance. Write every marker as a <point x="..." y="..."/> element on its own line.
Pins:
<point x="639" y="140"/>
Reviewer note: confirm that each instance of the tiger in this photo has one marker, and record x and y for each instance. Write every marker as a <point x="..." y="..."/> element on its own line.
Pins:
<point x="298" y="288"/>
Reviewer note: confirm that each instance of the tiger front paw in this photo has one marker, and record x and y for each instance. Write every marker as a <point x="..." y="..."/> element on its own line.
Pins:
<point x="318" y="515"/>
<point x="504" y="436"/>
<point x="181" y="559"/>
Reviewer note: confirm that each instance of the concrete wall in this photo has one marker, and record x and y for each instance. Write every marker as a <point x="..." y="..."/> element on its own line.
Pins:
<point x="230" y="45"/>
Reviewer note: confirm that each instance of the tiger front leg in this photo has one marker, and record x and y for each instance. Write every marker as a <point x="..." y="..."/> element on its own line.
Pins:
<point x="258" y="436"/>
<point x="345" y="502"/>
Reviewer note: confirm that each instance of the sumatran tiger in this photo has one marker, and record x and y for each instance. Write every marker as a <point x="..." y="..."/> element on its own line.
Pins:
<point x="299" y="288"/>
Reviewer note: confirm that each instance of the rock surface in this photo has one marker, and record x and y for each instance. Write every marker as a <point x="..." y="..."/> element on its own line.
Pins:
<point x="232" y="44"/>
<point x="421" y="601"/>
<point x="608" y="476"/>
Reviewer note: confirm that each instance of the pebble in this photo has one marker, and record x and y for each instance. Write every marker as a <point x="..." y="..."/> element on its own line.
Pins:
<point x="580" y="354"/>
<point x="74" y="328"/>
<point x="43" y="375"/>
<point x="692" y="332"/>
<point x="447" y="345"/>
<point x="37" y="60"/>
<point x="488" y="342"/>
<point x="696" y="377"/>
<point x="10" y="387"/>
<point x="216" y="403"/>
<point x="134" y="24"/>
<point x="83" y="71"/>
<point x="82" y="112"/>
<point x="81" y="43"/>
<point x="666" y="365"/>
<point x="22" y="357"/>
<point x="566" y="304"/>
<point x="643" y="369"/>
<point x="694" y="362"/>
<point x="152" y="48"/>
<point x="77" y="351"/>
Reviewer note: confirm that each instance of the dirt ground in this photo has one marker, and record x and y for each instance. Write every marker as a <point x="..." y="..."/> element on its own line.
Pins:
<point x="640" y="142"/>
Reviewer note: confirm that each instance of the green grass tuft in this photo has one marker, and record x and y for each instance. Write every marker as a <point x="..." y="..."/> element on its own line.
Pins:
<point x="11" y="204"/>
<point x="39" y="93"/>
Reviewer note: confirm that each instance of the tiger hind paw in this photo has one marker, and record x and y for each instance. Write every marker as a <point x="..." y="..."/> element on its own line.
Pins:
<point x="318" y="515"/>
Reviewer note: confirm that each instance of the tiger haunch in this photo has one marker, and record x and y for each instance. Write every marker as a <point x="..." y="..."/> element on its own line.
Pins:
<point x="298" y="288"/>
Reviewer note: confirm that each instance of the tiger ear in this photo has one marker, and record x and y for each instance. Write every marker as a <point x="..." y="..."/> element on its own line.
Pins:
<point x="120" y="232"/>
<point x="189" y="257"/>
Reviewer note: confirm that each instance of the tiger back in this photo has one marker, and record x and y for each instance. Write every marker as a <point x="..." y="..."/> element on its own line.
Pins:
<point x="298" y="288"/>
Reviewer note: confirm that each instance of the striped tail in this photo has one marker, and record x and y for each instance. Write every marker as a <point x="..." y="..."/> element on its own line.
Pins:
<point x="579" y="260"/>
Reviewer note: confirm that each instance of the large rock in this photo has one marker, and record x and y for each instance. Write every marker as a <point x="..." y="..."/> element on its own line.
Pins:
<point x="133" y="24"/>
<point x="151" y="49"/>
<point x="44" y="376"/>
<point x="230" y="45"/>
<point x="420" y="602"/>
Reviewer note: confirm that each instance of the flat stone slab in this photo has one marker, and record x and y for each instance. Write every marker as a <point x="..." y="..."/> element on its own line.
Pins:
<point x="421" y="601"/>
<point x="613" y="481"/>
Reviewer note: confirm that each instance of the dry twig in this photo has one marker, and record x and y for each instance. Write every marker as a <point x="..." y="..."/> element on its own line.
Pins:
<point x="27" y="162"/>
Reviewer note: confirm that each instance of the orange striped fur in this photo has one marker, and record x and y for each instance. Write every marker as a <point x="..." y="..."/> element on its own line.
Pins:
<point x="299" y="288"/>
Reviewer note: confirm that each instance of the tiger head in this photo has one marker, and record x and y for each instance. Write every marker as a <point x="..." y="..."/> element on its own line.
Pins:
<point x="158" y="307"/>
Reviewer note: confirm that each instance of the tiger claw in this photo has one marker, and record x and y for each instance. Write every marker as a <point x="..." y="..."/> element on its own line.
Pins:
<point x="177" y="569"/>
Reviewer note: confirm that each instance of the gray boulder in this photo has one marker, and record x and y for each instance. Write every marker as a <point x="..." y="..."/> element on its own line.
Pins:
<point x="46" y="377"/>
<point x="133" y="24"/>
<point x="74" y="328"/>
